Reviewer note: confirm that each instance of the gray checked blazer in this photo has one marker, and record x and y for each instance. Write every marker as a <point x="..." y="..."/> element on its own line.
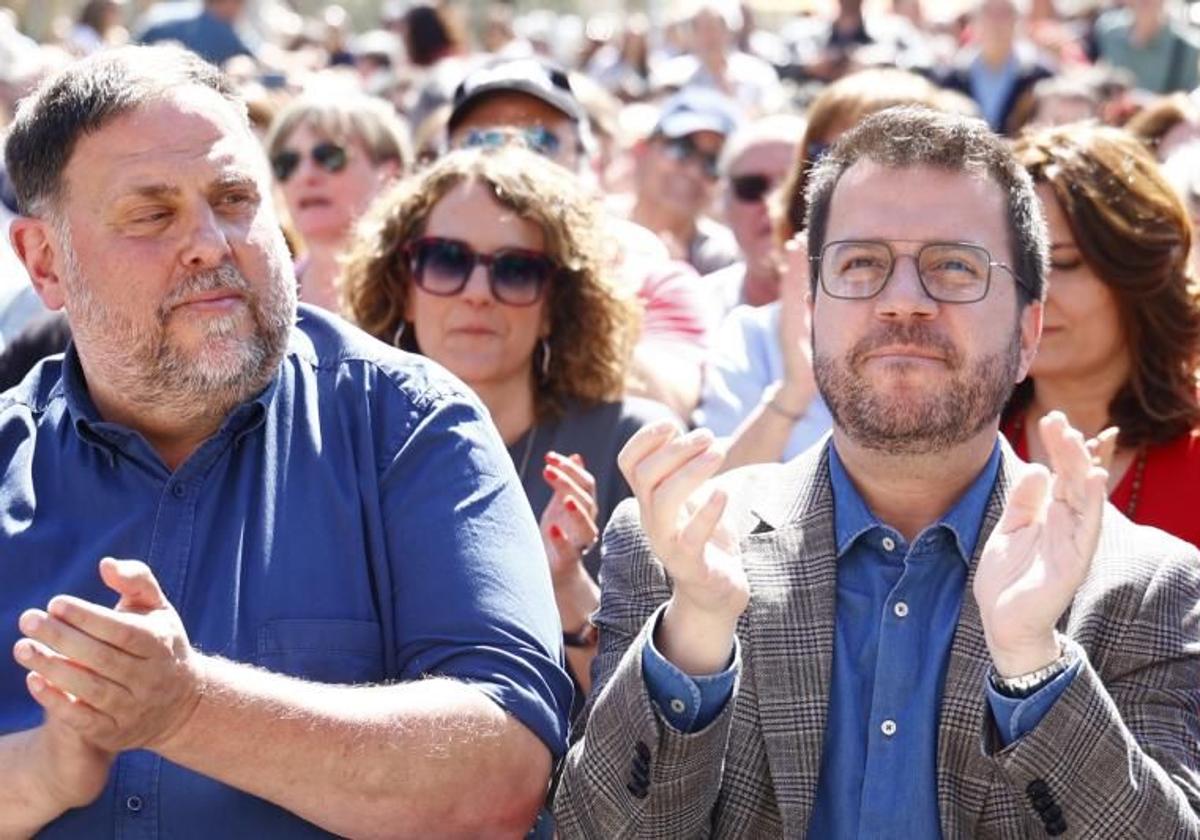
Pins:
<point x="1117" y="756"/>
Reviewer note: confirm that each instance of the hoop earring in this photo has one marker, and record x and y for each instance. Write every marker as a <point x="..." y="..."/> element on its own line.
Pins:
<point x="545" y="363"/>
<point x="399" y="334"/>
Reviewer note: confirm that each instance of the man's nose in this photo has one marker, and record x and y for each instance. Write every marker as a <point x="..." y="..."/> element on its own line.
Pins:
<point x="208" y="240"/>
<point x="903" y="296"/>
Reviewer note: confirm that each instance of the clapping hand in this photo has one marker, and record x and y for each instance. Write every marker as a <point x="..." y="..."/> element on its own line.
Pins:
<point x="121" y="678"/>
<point x="1040" y="551"/>
<point x="568" y="524"/>
<point x="681" y="517"/>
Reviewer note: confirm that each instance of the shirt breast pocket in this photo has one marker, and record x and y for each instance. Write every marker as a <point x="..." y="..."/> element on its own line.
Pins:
<point x="337" y="651"/>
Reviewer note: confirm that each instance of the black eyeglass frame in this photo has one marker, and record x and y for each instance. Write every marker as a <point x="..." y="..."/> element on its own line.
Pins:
<point x="818" y="260"/>
<point x="751" y="187"/>
<point x="330" y="156"/>
<point x="410" y="252"/>
<point x="682" y="149"/>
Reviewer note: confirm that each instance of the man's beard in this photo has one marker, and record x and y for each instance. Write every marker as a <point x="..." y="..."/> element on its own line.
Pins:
<point x="145" y="364"/>
<point x="916" y="423"/>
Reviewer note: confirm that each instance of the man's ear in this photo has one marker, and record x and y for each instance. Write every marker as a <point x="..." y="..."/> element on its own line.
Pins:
<point x="1031" y="334"/>
<point x="35" y="244"/>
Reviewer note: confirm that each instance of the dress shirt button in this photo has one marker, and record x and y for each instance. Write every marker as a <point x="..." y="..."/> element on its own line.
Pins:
<point x="889" y="544"/>
<point x="134" y="803"/>
<point x="900" y="609"/>
<point x="888" y="728"/>
<point x="178" y="490"/>
<point x="678" y="706"/>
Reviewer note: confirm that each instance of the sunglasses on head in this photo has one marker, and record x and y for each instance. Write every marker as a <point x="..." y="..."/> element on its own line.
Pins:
<point x="328" y="155"/>
<point x="750" y="189"/>
<point x="684" y="148"/>
<point x="443" y="266"/>
<point x="537" y="137"/>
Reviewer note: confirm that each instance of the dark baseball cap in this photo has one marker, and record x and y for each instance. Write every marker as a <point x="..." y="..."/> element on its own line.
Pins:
<point x="697" y="109"/>
<point x="541" y="79"/>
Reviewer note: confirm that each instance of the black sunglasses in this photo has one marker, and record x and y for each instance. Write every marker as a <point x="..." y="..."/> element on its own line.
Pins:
<point x="684" y="149"/>
<point x="750" y="189"/>
<point x="328" y="155"/>
<point x="443" y="267"/>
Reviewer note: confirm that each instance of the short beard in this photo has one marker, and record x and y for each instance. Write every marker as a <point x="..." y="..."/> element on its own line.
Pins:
<point x="919" y="424"/>
<point x="146" y="367"/>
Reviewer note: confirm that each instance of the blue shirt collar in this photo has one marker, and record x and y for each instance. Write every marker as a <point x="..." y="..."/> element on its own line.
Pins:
<point x="852" y="518"/>
<point x="93" y="429"/>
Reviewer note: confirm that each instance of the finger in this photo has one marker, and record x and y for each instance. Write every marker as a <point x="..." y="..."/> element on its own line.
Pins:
<point x="702" y="524"/>
<point x="644" y="441"/>
<point x="62" y="707"/>
<point x="70" y="676"/>
<point x="565" y="486"/>
<point x="134" y="582"/>
<point x="123" y="631"/>
<point x="581" y="529"/>
<point x="674" y="492"/>
<point x="573" y="469"/>
<point x="76" y="644"/>
<point x="1069" y="458"/>
<point x="564" y="547"/>
<point x="1027" y="500"/>
<point x="668" y="459"/>
<point x="1103" y="447"/>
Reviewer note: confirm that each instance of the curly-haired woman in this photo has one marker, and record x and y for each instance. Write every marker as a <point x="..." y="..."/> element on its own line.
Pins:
<point x="491" y="263"/>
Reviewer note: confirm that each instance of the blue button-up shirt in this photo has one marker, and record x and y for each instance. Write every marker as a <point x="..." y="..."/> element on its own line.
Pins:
<point x="357" y="522"/>
<point x="897" y="609"/>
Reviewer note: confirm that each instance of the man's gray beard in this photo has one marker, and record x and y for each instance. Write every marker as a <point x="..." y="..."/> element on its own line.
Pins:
<point x="916" y="425"/>
<point x="145" y="366"/>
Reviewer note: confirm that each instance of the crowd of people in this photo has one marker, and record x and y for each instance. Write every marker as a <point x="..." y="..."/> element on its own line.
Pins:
<point x="474" y="422"/>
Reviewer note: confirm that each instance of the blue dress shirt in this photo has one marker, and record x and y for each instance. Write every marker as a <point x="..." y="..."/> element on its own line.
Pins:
<point x="897" y="609"/>
<point x="357" y="522"/>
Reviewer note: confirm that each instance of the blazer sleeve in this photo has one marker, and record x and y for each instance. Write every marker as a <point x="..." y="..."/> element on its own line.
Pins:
<point x="1118" y="755"/>
<point x="629" y="774"/>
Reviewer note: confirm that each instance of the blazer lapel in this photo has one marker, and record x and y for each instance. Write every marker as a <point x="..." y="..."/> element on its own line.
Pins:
<point x="964" y="775"/>
<point x="790" y="560"/>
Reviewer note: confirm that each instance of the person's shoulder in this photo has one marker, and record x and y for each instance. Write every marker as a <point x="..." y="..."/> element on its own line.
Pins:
<point x="343" y="356"/>
<point x="31" y="398"/>
<point x="1131" y="560"/>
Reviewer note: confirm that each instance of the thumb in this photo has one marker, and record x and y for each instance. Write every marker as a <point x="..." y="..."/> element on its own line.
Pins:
<point x="134" y="582"/>
<point x="1027" y="500"/>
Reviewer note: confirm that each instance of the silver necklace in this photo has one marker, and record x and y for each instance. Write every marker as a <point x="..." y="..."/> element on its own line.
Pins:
<point x="528" y="451"/>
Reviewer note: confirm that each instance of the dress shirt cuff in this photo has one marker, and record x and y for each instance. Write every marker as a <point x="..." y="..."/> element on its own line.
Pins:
<point x="687" y="703"/>
<point x="1016" y="717"/>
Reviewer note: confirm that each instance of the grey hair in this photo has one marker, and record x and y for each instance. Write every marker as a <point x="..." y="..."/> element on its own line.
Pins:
<point x="82" y="99"/>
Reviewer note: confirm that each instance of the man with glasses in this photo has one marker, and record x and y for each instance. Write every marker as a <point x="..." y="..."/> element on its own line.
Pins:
<point x="677" y="174"/>
<point x="905" y="631"/>
<point x="260" y="575"/>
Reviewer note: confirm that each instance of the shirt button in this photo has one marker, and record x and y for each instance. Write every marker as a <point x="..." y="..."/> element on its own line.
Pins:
<point x="134" y="803"/>
<point x="678" y="706"/>
<point x="888" y="728"/>
<point x="900" y="609"/>
<point x="889" y="544"/>
<point x="178" y="490"/>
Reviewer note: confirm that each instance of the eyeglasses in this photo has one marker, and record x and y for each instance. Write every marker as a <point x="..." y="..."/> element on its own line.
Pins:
<point x="683" y="149"/>
<point x="537" y="137"/>
<point x="950" y="272"/>
<point x="328" y="155"/>
<point x="750" y="189"/>
<point x="443" y="266"/>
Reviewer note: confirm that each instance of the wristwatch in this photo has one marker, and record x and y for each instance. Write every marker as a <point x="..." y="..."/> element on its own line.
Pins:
<point x="1024" y="685"/>
<point x="585" y="637"/>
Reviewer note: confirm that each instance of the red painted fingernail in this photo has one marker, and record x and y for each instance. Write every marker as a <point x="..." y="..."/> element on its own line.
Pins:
<point x="556" y="533"/>
<point x="548" y="473"/>
<point x="570" y="505"/>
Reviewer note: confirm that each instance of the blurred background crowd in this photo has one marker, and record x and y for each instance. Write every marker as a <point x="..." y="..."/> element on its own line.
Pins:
<point x="641" y="242"/>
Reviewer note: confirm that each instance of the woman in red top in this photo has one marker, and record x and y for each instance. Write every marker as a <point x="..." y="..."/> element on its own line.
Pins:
<point x="1121" y="333"/>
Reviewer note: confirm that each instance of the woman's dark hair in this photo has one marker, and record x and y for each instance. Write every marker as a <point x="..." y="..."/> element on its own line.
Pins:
<point x="1133" y="231"/>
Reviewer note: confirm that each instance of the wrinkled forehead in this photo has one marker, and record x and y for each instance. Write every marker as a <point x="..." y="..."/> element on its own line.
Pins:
<point x="191" y="134"/>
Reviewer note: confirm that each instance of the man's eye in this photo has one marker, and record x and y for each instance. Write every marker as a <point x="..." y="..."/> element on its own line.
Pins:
<point x="151" y="217"/>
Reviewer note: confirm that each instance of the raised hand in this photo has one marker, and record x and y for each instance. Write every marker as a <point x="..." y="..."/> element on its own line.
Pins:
<point x="681" y="517"/>
<point x="799" y="385"/>
<point x="1040" y="551"/>
<point x="123" y="678"/>
<point x="568" y="524"/>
